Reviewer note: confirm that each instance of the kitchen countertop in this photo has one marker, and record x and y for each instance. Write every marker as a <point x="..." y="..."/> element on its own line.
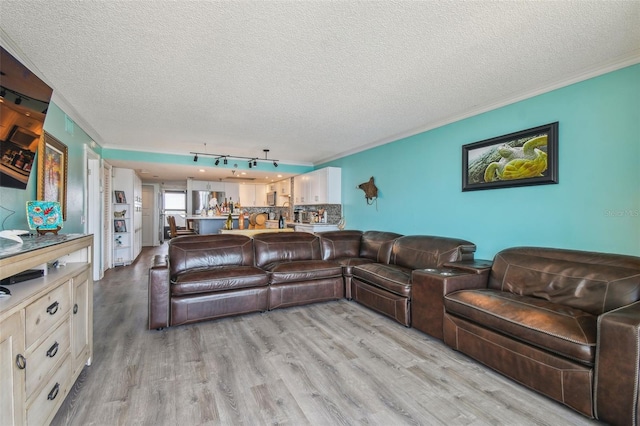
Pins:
<point x="252" y="232"/>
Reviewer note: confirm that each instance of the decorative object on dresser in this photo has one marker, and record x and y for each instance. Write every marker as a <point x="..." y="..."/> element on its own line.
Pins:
<point x="44" y="216"/>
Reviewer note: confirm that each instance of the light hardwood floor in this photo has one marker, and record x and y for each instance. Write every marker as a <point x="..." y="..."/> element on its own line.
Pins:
<point x="334" y="363"/>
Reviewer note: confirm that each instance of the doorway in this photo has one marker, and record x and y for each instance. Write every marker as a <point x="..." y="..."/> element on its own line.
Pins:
<point x="93" y="209"/>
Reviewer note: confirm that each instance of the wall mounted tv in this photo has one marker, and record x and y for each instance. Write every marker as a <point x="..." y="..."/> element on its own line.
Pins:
<point x="24" y="100"/>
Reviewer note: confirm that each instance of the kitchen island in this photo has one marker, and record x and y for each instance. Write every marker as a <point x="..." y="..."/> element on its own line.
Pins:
<point x="212" y="224"/>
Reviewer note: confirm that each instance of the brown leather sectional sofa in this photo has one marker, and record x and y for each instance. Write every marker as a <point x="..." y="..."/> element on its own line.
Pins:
<point x="212" y="276"/>
<point x="380" y="274"/>
<point x="565" y="323"/>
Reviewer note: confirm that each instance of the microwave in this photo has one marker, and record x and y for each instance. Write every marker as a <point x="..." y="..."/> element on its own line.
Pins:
<point x="271" y="198"/>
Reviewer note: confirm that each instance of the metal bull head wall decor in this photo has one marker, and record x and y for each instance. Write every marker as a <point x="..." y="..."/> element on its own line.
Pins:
<point x="370" y="190"/>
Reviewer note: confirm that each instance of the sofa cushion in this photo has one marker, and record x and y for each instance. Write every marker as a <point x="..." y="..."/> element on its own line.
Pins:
<point x="218" y="278"/>
<point x="377" y="245"/>
<point x="592" y="282"/>
<point x="393" y="278"/>
<point x="557" y="328"/>
<point x="340" y="244"/>
<point x="426" y="251"/>
<point x="302" y="270"/>
<point x="189" y="253"/>
<point x="285" y="246"/>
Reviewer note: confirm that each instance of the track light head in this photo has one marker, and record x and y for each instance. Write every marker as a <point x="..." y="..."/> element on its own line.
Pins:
<point x="217" y="161"/>
<point x="18" y="101"/>
<point x="255" y="163"/>
<point x="195" y="157"/>
<point x="224" y="161"/>
<point x="275" y="164"/>
<point x="3" y="93"/>
<point x="250" y="164"/>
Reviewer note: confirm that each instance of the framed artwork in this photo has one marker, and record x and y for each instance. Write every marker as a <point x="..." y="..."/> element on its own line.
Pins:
<point x="52" y="171"/>
<point x="119" y="225"/>
<point x="120" y="197"/>
<point x="527" y="157"/>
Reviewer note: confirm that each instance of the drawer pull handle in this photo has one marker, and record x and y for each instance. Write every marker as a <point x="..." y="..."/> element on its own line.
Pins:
<point x="53" y="350"/>
<point x="53" y="308"/>
<point x="75" y="308"/>
<point x="21" y="362"/>
<point x="54" y="392"/>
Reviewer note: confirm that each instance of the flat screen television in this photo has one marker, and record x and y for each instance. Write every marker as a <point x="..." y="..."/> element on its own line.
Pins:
<point x="24" y="101"/>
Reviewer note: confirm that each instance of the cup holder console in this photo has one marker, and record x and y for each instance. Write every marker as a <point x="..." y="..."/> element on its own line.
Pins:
<point x="445" y="272"/>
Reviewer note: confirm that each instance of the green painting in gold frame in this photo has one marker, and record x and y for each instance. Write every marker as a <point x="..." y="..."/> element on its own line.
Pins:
<point x="52" y="171"/>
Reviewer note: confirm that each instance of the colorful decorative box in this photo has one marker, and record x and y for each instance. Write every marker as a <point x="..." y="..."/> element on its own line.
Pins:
<point x="44" y="215"/>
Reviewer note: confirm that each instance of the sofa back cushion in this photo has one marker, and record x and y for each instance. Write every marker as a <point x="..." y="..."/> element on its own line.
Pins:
<point x="376" y="245"/>
<point x="589" y="281"/>
<point x="425" y="251"/>
<point x="204" y="251"/>
<point x="340" y="244"/>
<point x="285" y="246"/>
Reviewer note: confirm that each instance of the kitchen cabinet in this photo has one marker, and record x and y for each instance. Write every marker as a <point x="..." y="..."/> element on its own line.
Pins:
<point x="322" y="186"/>
<point x="232" y="192"/>
<point x="284" y="187"/>
<point x="301" y="189"/>
<point x="203" y="185"/>
<point x="46" y="327"/>
<point x="252" y="195"/>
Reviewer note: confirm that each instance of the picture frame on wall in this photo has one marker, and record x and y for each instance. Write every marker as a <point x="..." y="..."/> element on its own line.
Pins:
<point x="120" y="198"/>
<point x="527" y="157"/>
<point x="52" y="171"/>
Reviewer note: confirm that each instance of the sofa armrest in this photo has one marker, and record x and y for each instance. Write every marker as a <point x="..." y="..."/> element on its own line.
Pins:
<point x="428" y="289"/>
<point x="159" y="293"/>
<point x="617" y="363"/>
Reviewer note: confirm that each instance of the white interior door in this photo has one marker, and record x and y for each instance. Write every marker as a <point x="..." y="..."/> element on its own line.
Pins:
<point x="93" y="209"/>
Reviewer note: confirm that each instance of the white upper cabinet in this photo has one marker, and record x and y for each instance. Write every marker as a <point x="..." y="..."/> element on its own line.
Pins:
<point x="252" y="195"/>
<point x="322" y="186"/>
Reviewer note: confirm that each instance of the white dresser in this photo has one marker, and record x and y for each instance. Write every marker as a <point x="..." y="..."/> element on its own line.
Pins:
<point x="46" y="326"/>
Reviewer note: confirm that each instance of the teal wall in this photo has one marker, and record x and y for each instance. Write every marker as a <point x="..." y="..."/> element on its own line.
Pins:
<point x="187" y="160"/>
<point x="595" y="206"/>
<point x="75" y="139"/>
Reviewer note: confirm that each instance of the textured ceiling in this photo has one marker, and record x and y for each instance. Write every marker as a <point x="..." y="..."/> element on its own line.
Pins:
<point x="310" y="80"/>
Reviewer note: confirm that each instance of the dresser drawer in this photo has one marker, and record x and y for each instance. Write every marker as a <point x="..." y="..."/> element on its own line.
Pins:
<point x="42" y="314"/>
<point x="51" y="396"/>
<point x="46" y="356"/>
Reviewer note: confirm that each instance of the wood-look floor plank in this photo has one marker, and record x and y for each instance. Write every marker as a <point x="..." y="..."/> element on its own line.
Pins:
<point x="334" y="363"/>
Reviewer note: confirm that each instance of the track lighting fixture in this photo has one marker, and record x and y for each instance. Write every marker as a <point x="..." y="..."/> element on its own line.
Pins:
<point x="251" y="161"/>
